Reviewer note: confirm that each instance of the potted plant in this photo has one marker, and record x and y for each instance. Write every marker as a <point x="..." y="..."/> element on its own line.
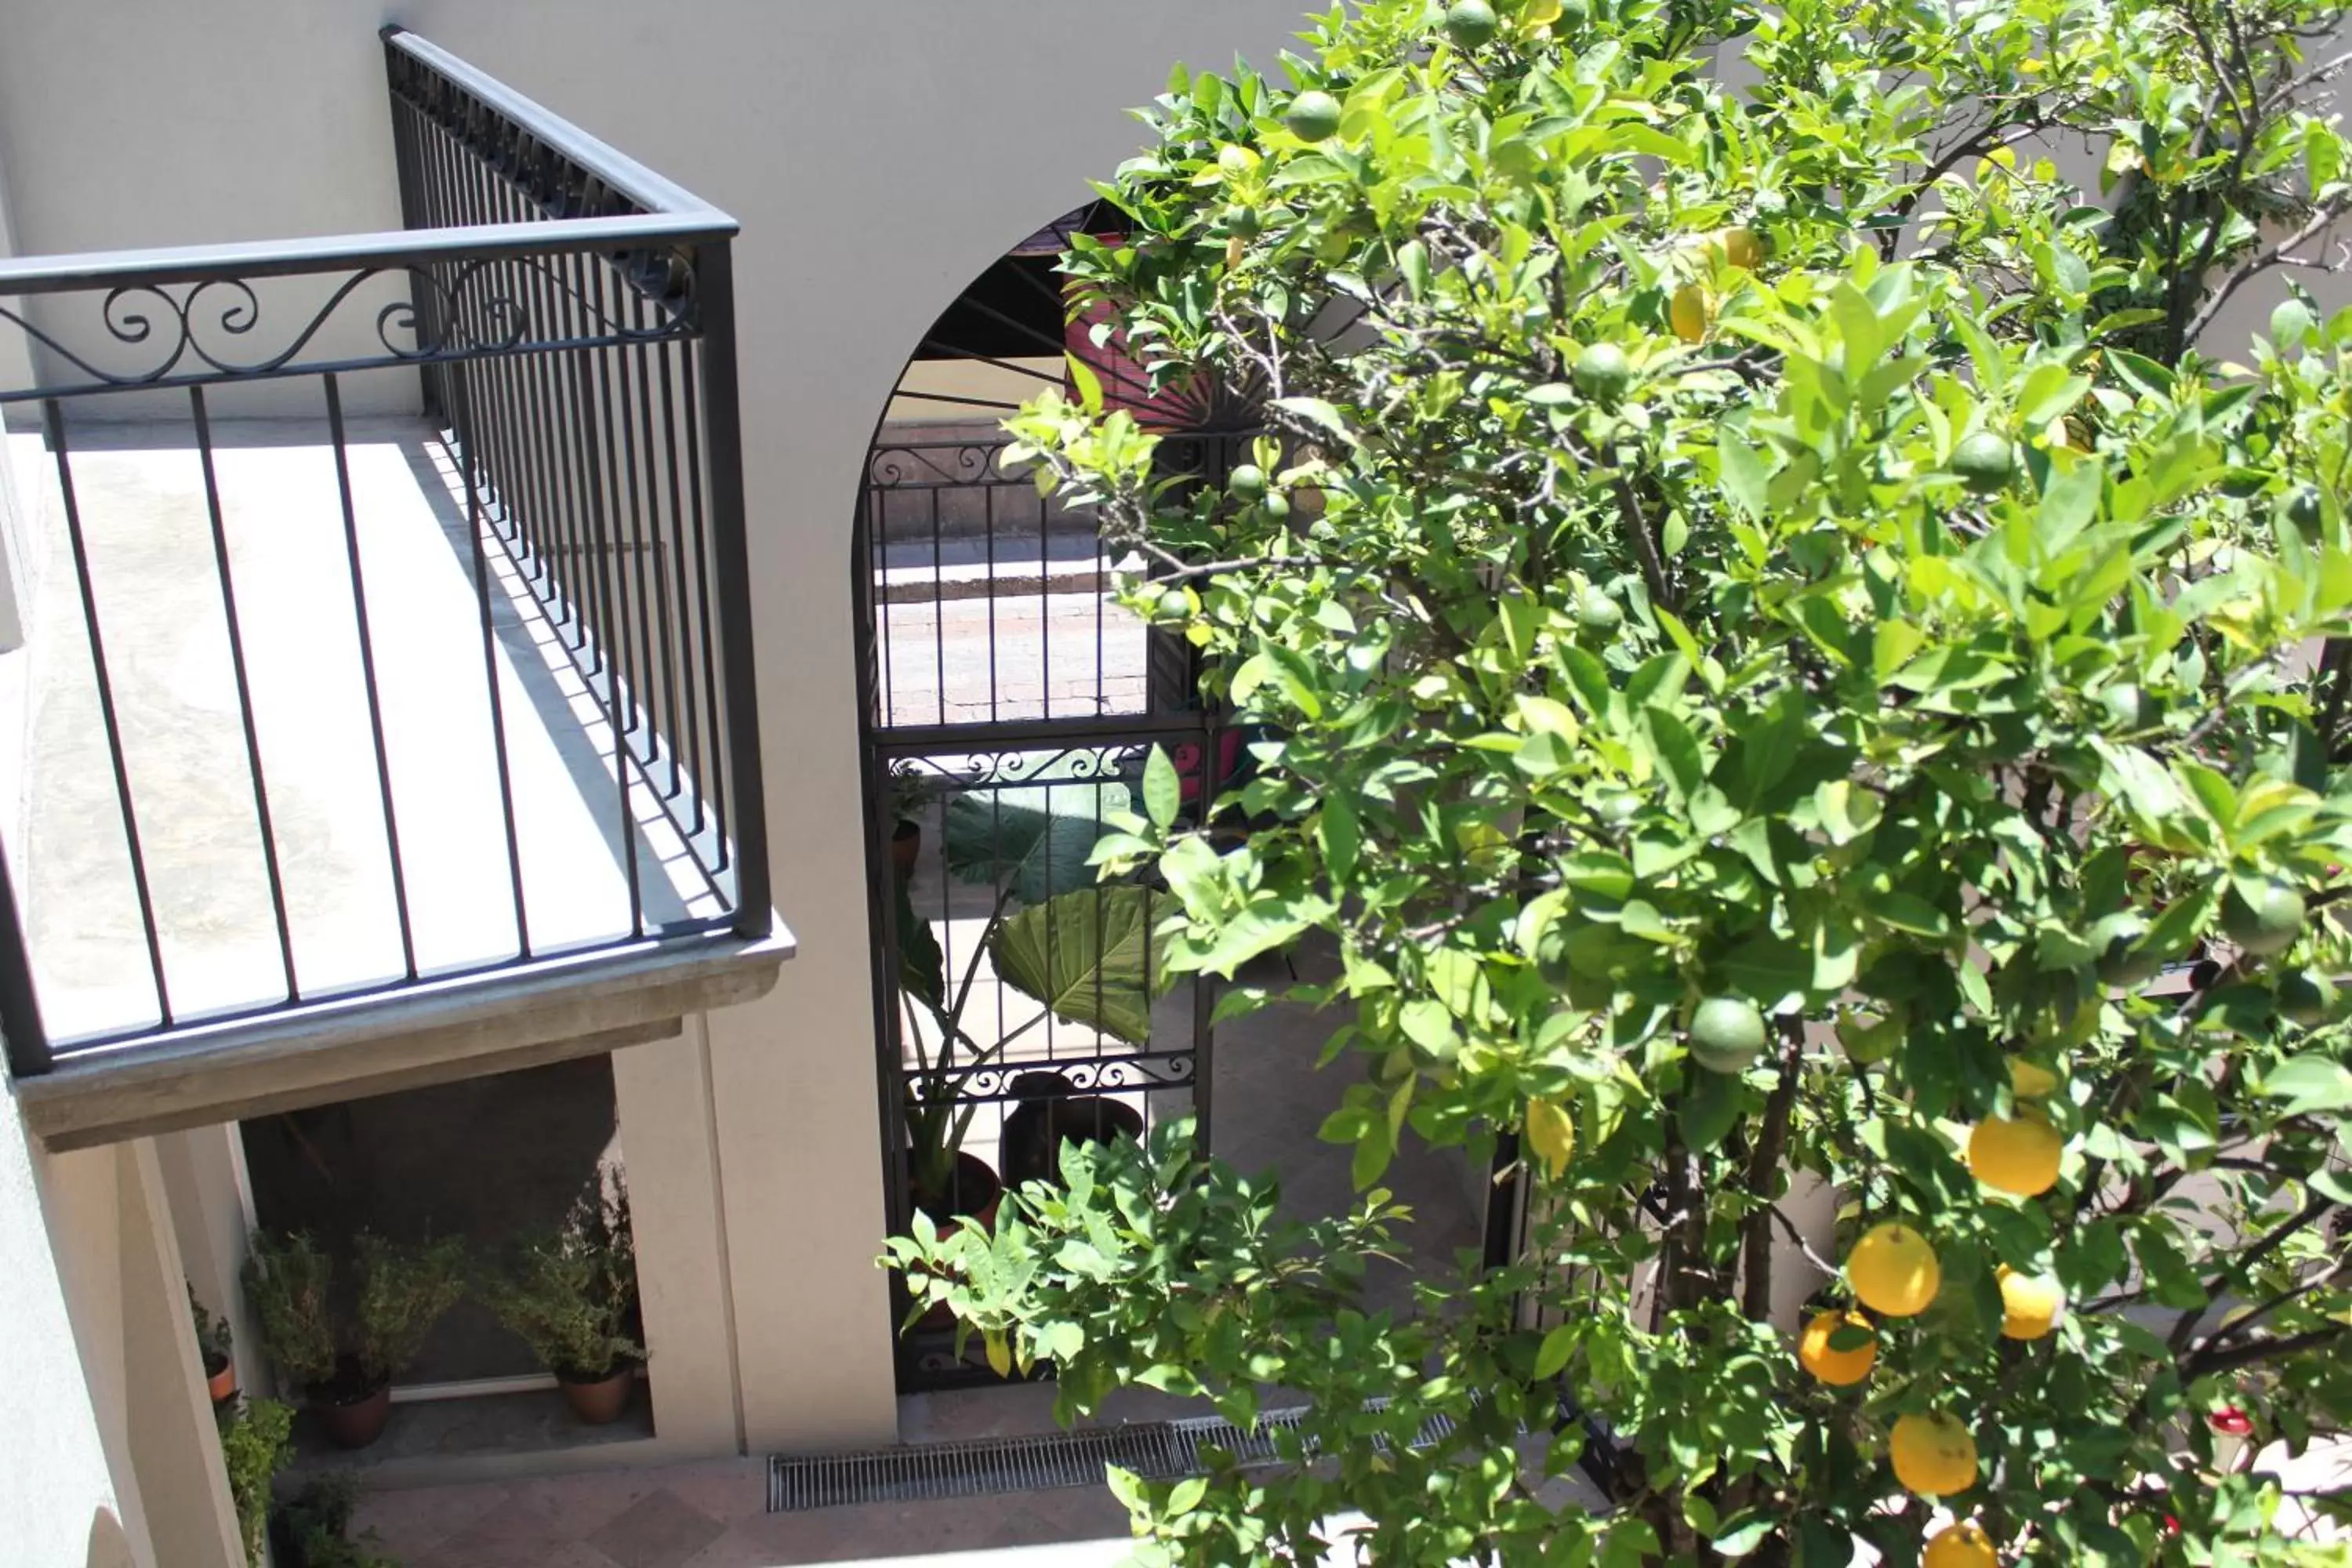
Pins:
<point x="255" y="1441"/>
<point x="213" y="1344"/>
<point x="342" y="1347"/>
<point x="312" y="1528"/>
<point x="1052" y="1112"/>
<point x="571" y="1293"/>
<point x="1083" y="952"/>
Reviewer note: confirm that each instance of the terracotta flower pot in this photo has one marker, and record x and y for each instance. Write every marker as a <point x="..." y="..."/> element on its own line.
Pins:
<point x="598" y="1399"/>
<point x="1035" y="1133"/>
<point x="352" y="1423"/>
<point x="220" y="1379"/>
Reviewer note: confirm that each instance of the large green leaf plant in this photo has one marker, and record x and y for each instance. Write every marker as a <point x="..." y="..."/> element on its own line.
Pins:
<point x="1793" y="647"/>
<point x="1084" y="953"/>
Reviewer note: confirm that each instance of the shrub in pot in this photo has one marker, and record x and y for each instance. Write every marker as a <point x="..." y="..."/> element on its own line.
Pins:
<point x="215" y="1344"/>
<point x="343" y="1345"/>
<point x="255" y="1441"/>
<point x="571" y="1293"/>
<point x="312" y="1528"/>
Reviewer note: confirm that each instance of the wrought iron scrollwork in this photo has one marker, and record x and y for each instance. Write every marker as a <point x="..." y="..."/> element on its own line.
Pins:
<point x="193" y="331"/>
<point x="914" y="465"/>
<point x="1141" y="1072"/>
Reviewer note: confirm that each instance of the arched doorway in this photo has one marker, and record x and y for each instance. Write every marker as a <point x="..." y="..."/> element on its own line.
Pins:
<point x="1008" y="706"/>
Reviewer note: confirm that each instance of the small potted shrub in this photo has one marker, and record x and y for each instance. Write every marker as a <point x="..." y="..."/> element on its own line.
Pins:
<point x="571" y="1293"/>
<point x="214" y="1344"/>
<point x="312" y="1528"/>
<point x="255" y="1445"/>
<point x="343" y="1346"/>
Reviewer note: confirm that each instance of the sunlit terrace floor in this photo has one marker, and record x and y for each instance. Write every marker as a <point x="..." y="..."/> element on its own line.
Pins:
<point x="140" y="492"/>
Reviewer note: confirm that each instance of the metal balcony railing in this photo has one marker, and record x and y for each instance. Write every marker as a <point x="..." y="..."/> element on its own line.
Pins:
<point x="570" y="316"/>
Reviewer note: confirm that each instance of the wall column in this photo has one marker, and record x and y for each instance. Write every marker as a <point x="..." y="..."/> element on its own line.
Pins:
<point x="174" y="1445"/>
<point x="670" y="1148"/>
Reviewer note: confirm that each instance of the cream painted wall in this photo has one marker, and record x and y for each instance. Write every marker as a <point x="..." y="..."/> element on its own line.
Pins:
<point x="58" y="1491"/>
<point x="878" y="156"/>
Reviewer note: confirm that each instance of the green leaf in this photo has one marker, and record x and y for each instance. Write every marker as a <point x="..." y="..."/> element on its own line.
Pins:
<point x="1186" y="1495"/>
<point x="1162" y="794"/>
<point x="1746" y="481"/>
<point x="1322" y="415"/>
<point x="1090" y="957"/>
<point x="2310" y="1084"/>
<point x="1557" y="1346"/>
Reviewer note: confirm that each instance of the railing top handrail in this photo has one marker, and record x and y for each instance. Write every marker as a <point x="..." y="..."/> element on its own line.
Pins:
<point x="674" y="214"/>
<point x="616" y="169"/>
<point x="325" y="253"/>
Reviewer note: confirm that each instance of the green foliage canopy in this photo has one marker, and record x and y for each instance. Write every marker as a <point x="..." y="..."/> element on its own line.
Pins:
<point x="1762" y="535"/>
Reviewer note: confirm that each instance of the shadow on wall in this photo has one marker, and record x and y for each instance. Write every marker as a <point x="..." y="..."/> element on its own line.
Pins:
<point x="483" y="1160"/>
<point x="109" y="1546"/>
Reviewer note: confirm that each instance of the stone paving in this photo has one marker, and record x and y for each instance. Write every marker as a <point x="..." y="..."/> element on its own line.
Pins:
<point x="714" y="1516"/>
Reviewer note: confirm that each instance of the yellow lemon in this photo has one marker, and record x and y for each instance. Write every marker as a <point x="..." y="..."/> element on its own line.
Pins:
<point x="1551" y="1130"/>
<point x="1688" y="312"/>
<point x="1836" y="1367"/>
<point x="1961" y="1546"/>
<point x="1934" y="1456"/>
<point x="1894" y="1270"/>
<point x="2029" y="1080"/>
<point x="2030" y="1304"/>
<point x="2017" y="1155"/>
<point x="1739" y="246"/>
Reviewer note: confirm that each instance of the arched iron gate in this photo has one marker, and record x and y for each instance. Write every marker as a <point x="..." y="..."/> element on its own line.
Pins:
<point x="1008" y="706"/>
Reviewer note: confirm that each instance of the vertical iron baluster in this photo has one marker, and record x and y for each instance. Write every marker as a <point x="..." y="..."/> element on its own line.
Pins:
<point x="621" y="649"/>
<point x="686" y="746"/>
<point x="696" y="367"/>
<point x="54" y="423"/>
<point x="938" y="606"/>
<point x="25" y="1036"/>
<point x="638" y="478"/>
<point x="244" y="692"/>
<point x="987" y="496"/>
<point x="731" y="545"/>
<point x="462" y="428"/>
<point x="367" y="673"/>
<point x="667" y="686"/>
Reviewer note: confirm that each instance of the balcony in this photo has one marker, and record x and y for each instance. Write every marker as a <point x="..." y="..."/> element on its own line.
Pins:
<point x="387" y="711"/>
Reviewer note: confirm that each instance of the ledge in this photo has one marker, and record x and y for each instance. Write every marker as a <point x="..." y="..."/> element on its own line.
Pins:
<point x="438" y="1031"/>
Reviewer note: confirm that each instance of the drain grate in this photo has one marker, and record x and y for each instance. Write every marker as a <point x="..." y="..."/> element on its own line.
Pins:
<point x="915" y="1472"/>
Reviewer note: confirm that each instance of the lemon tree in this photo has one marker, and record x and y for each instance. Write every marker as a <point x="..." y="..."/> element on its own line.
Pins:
<point x="1791" y="633"/>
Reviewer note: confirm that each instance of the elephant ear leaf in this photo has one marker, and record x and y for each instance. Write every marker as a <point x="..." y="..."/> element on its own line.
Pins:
<point x="1090" y="956"/>
<point x="923" y="971"/>
<point x="1034" y="837"/>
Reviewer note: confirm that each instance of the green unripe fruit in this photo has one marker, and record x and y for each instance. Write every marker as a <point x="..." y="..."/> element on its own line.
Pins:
<point x="1175" y="604"/>
<point x="1471" y="24"/>
<point x="1727" y="1034"/>
<point x="1314" y="116"/>
<point x="1597" y="612"/>
<point x="2115" y="939"/>
<point x="2267" y="924"/>
<point x="1275" y="507"/>
<point x="2130" y="706"/>
<point x="2306" y="997"/>
<point x="1602" y="371"/>
<point x="1244" y="222"/>
<point x="1246" y="482"/>
<point x="1985" y="462"/>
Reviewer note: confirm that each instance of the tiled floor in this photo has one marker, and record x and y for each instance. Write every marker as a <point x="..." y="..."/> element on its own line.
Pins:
<point x="710" y="1516"/>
